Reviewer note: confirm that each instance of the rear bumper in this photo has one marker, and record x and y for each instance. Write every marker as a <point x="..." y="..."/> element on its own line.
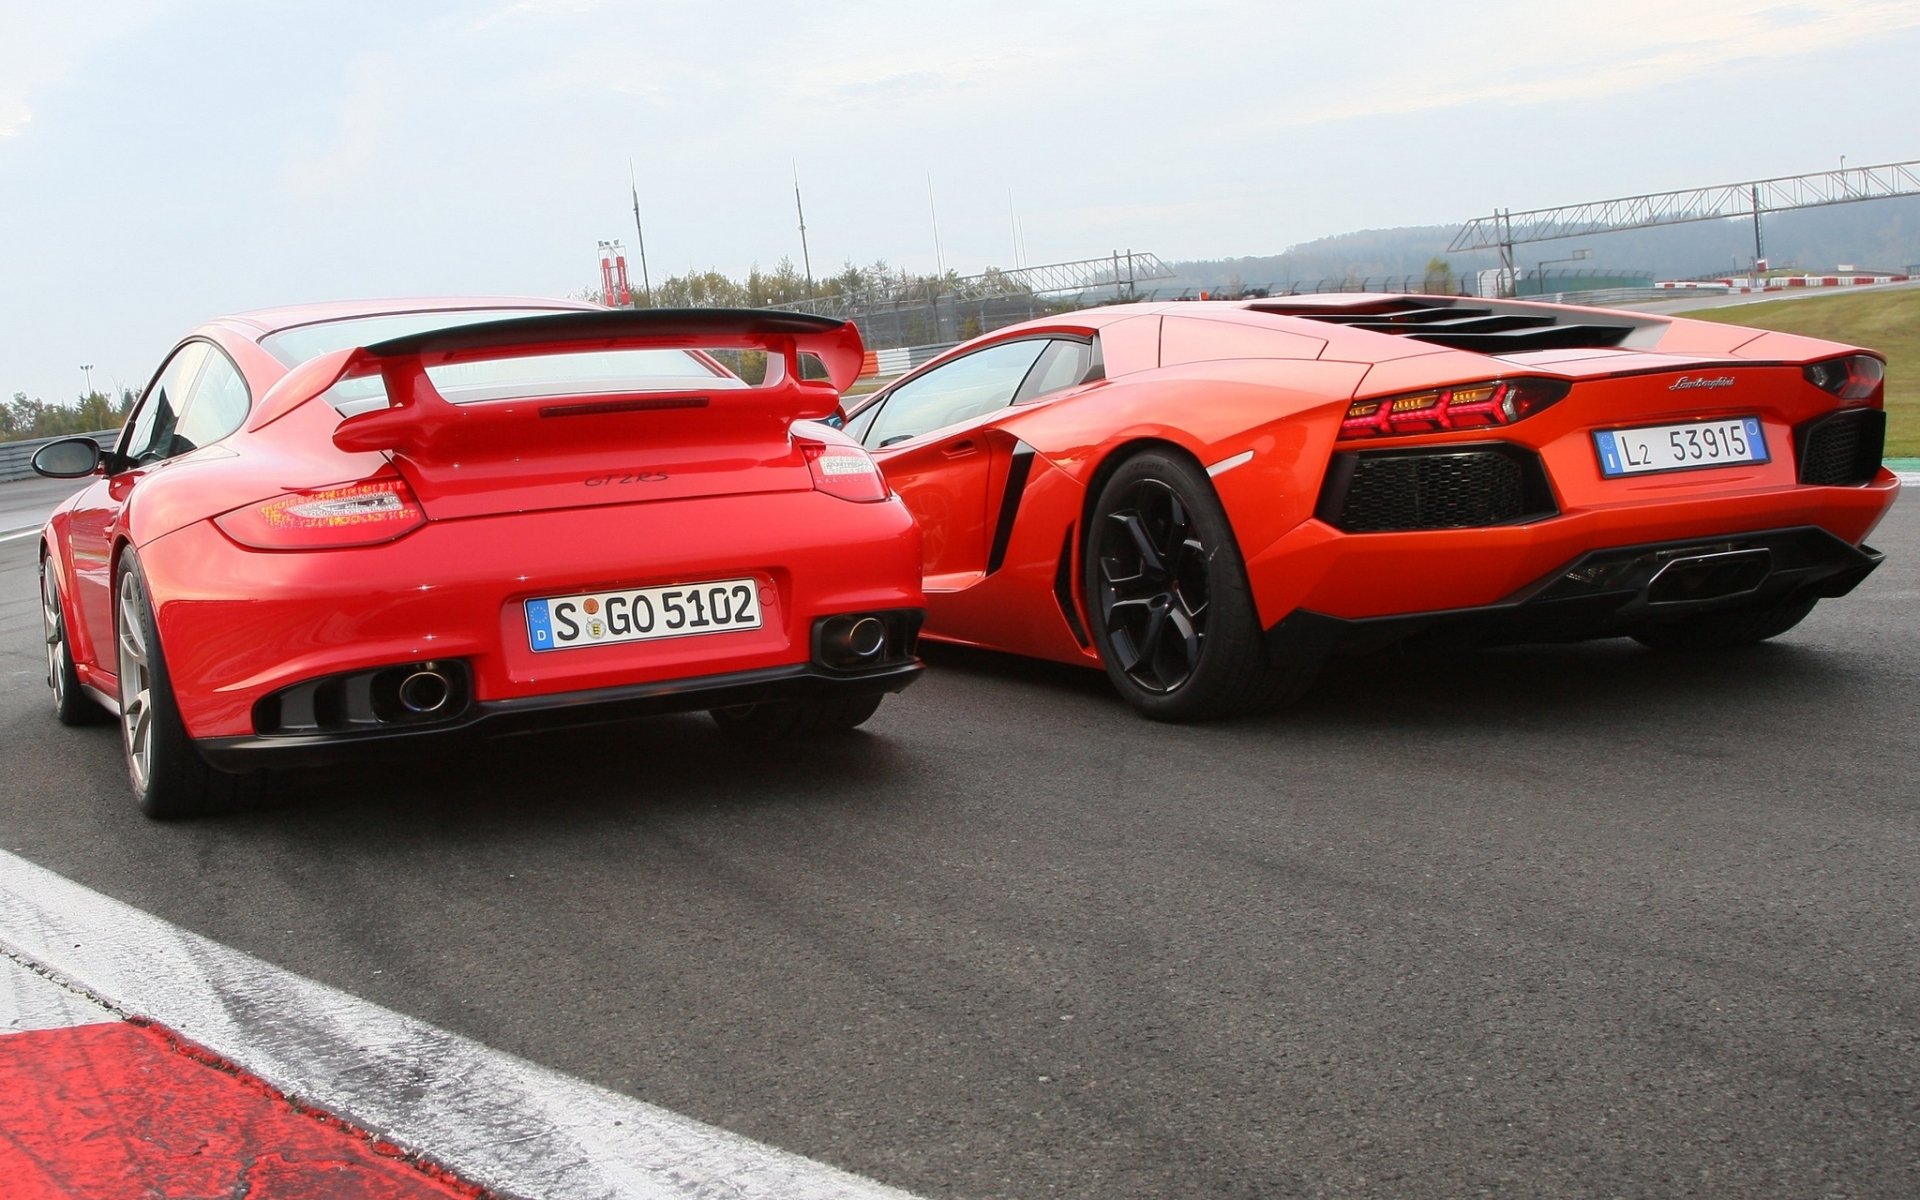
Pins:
<point x="1605" y="593"/>
<point x="535" y="714"/>
<point x="239" y="625"/>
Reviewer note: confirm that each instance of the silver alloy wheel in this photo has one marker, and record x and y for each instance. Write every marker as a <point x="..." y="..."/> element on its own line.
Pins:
<point x="56" y="632"/>
<point x="136" y="681"/>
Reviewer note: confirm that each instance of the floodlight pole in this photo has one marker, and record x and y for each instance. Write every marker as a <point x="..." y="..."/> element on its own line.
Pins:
<point x="639" y="235"/>
<point x="805" y="258"/>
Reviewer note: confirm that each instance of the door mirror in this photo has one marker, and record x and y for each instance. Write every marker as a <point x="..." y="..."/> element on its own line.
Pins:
<point x="68" y="458"/>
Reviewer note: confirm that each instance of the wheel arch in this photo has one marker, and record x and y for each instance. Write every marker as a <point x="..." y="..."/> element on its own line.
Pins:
<point x="1116" y="456"/>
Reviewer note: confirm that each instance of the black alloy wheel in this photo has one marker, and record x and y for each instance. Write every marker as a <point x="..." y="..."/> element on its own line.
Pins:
<point x="1173" y="617"/>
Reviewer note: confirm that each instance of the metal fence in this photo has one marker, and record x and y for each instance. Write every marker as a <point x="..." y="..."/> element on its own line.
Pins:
<point x="16" y="458"/>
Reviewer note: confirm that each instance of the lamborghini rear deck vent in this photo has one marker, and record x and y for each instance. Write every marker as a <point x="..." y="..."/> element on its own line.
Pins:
<point x="1385" y="491"/>
<point x="1486" y="328"/>
<point x="1842" y="449"/>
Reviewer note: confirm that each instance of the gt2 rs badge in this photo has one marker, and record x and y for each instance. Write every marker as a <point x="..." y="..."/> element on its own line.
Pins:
<point x="628" y="477"/>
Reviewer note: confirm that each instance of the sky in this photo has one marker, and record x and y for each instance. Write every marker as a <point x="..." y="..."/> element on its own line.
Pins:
<point x="166" y="161"/>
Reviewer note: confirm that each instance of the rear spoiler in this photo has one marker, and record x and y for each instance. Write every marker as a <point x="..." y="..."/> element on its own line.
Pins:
<point x="419" y="411"/>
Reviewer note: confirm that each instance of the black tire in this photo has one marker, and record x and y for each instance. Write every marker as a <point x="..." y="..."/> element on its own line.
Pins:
<point x="170" y="779"/>
<point x="779" y="720"/>
<point x="1724" y="630"/>
<point x="71" y="703"/>
<point x="1172" y="614"/>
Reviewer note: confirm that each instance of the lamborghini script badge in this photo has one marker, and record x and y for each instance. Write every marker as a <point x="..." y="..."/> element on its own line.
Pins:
<point x="1703" y="381"/>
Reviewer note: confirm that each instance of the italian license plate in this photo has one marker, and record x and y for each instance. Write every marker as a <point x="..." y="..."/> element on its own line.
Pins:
<point x="642" y="614"/>
<point x="1680" y="447"/>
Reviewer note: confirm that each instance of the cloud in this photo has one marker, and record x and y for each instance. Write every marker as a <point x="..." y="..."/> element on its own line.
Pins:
<point x="361" y="136"/>
<point x="46" y="44"/>
<point x="1575" y="56"/>
<point x="534" y="10"/>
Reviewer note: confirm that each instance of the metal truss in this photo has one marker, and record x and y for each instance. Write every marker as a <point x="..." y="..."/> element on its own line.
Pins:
<point x="1509" y="229"/>
<point x="1122" y="270"/>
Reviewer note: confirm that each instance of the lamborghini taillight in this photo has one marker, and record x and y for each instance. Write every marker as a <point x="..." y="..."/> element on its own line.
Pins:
<point x="350" y="514"/>
<point x="1461" y="406"/>
<point x="1855" y="377"/>
<point x="844" y="471"/>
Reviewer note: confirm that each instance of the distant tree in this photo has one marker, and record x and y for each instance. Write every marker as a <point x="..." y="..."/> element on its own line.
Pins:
<point x="1439" y="279"/>
<point x="94" y="413"/>
<point x="26" y="416"/>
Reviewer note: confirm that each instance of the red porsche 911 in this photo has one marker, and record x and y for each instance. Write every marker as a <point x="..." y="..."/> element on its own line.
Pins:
<point x="330" y="530"/>
<point x="1211" y="498"/>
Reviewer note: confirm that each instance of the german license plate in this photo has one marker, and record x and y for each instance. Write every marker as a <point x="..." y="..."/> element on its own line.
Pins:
<point x="642" y="614"/>
<point x="1680" y="447"/>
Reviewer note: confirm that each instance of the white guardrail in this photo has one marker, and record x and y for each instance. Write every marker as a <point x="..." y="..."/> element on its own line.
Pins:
<point x="16" y="458"/>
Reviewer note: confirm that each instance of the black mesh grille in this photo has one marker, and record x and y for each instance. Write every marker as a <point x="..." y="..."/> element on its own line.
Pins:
<point x="1377" y="492"/>
<point x="1842" y="449"/>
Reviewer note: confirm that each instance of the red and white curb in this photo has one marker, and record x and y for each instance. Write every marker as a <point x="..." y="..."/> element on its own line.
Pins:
<point x="491" y="1119"/>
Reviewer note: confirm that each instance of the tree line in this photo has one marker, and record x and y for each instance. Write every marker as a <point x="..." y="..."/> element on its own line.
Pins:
<point x="23" y="419"/>
<point x="876" y="283"/>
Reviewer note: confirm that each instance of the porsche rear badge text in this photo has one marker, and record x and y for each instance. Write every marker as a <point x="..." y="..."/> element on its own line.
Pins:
<point x="629" y="477"/>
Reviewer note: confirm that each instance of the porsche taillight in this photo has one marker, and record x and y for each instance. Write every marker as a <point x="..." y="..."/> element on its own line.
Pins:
<point x="844" y="471"/>
<point x="1855" y="377"/>
<point x="349" y="514"/>
<point x="1461" y="406"/>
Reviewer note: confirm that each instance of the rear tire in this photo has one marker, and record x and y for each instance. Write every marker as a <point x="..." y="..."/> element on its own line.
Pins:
<point x="71" y="704"/>
<point x="170" y="779"/>
<point x="1724" y="630"/>
<point x="780" y="720"/>
<point x="1172" y="612"/>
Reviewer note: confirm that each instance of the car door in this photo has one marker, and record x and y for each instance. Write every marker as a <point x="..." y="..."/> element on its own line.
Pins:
<point x="931" y="434"/>
<point x="98" y="514"/>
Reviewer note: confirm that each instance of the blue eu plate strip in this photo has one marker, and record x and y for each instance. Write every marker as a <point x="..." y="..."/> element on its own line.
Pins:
<point x="539" y="629"/>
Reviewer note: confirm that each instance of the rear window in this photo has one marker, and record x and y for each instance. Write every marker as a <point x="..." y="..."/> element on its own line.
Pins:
<point x="586" y="372"/>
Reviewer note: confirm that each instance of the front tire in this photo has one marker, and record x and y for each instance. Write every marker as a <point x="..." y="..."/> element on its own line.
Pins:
<point x="71" y="704"/>
<point x="780" y="720"/>
<point x="1173" y="615"/>
<point x="170" y="779"/>
<point x="1724" y="630"/>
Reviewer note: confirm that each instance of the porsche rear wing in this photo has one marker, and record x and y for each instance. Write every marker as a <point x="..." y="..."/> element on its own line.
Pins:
<point x="419" y="418"/>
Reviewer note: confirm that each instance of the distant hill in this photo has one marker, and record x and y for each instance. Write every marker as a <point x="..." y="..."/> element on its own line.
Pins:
<point x="1881" y="235"/>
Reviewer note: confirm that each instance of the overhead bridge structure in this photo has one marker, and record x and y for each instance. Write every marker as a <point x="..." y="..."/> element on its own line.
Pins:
<point x="1123" y="271"/>
<point x="1505" y="229"/>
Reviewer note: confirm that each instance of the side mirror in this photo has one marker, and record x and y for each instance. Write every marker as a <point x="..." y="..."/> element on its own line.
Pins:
<point x="68" y="458"/>
<point x="838" y="420"/>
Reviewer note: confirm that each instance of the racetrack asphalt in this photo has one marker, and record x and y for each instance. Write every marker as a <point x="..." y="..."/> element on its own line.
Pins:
<point x="1580" y="921"/>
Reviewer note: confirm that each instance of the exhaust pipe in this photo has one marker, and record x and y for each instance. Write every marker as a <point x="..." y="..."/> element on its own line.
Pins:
<point x="847" y="642"/>
<point x="425" y="692"/>
<point x="866" y="638"/>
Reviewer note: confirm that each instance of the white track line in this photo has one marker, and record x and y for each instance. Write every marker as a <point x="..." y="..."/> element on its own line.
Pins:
<point x="494" y="1119"/>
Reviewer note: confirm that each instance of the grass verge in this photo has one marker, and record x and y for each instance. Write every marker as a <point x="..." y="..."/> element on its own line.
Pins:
<point x="1887" y="321"/>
